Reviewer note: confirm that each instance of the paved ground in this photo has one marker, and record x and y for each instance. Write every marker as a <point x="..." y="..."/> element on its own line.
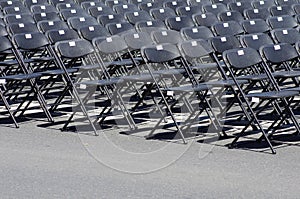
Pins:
<point x="40" y="161"/>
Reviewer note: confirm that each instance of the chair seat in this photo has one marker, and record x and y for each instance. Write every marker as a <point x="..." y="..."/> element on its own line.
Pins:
<point x="124" y="62"/>
<point x="189" y="88"/>
<point x="140" y="78"/>
<point x="59" y="71"/>
<point x="87" y="67"/>
<point x="225" y="83"/>
<point x="102" y="82"/>
<point x="205" y="66"/>
<point x="22" y="76"/>
<point x="253" y="77"/>
<point x="286" y="74"/>
<point x="274" y="94"/>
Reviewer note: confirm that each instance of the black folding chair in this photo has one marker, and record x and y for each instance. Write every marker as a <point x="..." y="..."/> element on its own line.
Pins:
<point x="262" y="3"/>
<point x="284" y="21"/>
<point x="198" y="32"/>
<point x="281" y="10"/>
<point x="215" y="8"/>
<point x="177" y="23"/>
<point x="120" y="28"/>
<point x="136" y="16"/>
<point x="149" y="26"/>
<point x="239" y="6"/>
<point x="46" y="16"/>
<point x="206" y="19"/>
<point x="44" y="26"/>
<point x="227" y="28"/>
<point x="255" y="26"/>
<point x="162" y="13"/>
<point x="286" y="35"/>
<point x="96" y="11"/>
<point x="123" y="8"/>
<point x="257" y="13"/>
<point x="91" y="32"/>
<point x="166" y="36"/>
<point x="189" y="10"/>
<point x="231" y="16"/>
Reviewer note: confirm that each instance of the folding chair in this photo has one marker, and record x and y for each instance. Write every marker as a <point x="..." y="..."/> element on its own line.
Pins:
<point x="100" y="10"/>
<point x="255" y="26"/>
<point x="68" y="13"/>
<point x="137" y="2"/>
<point x="247" y="58"/>
<point x="67" y="6"/>
<point x="281" y="10"/>
<point x="215" y="8"/>
<point x="112" y="3"/>
<point x="177" y="23"/>
<point x="10" y="3"/>
<point x="199" y="2"/>
<point x="225" y="2"/>
<point x="166" y="36"/>
<point x="134" y="17"/>
<point x="198" y="32"/>
<point x="89" y="4"/>
<point x="122" y="9"/>
<point x="206" y="19"/>
<point x="257" y="13"/>
<point x="147" y="6"/>
<point x="288" y="35"/>
<point x="284" y="21"/>
<point x="149" y="26"/>
<point x="162" y="13"/>
<point x="29" y="3"/>
<point x="262" y="4"/>
<point x="227" y="28"/>
<point x="44" y="8"/>
<point x="16" y="28"/>
<point x="55" y="2"/>
<point x="91" y="32"/>
<point x="188" y="10"/>
<point x="231" y="16"/>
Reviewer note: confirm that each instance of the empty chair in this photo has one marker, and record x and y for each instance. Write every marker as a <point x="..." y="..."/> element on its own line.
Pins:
<point x="176" y="23"/>
<point x="44" y="26"/>
<point x="239" y="6"/>
<point x="91" y="32"/>
<point x="136" y="2"/>
<point x="166" y="36"/>
<point x="215" y="8"/>
<point x="10" y="3"/>
<point x="198" y="32"/>
<point x="227" y="28"/>
<point x="111" y="18"/>
<point x="188" y="10"/>
<point x="78" y="22"/>
<point x="225" y="2"/>
<point x="45" y="8"/>
<point x="206" y="19"/>
<point x="46" y="16"/>
<point x="284" y="21"/>
<point x="135" y="16"/>
<point x="263" y="3"/>
<point x="256" y="40"/>
<point x="222" y="43"/>
<point x="257" y="13"/>
<point x="55" y="2"/>
<point x="255" y="26"/>
<point x="100" y="10"/>
<point x="281" y="10"/>
<point x="231" y="16"/>
<point x="136" y="41"/>
<point x="121" y="9"/>
<point x="68" y="6"/>
<point x="149" y="26"/>
<point x="287" y="35"/>
<point x="199" y="2"/>
<point x="120" y="28"/>
<point x="162" y="13"/>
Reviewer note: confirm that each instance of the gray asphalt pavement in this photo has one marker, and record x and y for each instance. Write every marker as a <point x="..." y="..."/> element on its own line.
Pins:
<point x="39" y="162"/>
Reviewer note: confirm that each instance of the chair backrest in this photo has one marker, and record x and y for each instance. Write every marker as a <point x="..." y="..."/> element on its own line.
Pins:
<point x="46" y="16"/>
<point x="16" y="28"/>
<point x="239" y="6"/>
<point x="281" y="10"/>
<point x="222" y="43"/>
<point x="215" y="8"/>
<point x="100" y="10"/>
<point x="147" y="6"/>
<point x="206" y="19"/>
<point x="16" y="10"/>
<point x="166" y="36"/>
<point x="278" y="53"/>
<point x="30" y="41"/>
<point x="123" y="8"/>
<point x="51" y="25"/>
<point x="136" y="16"/>
<point x="78" y="22"/>
<point x="288" y="35"/>
<point x="111" y="18"/>
<point x="160" y="53"/>
<point x="91" y="32"/>
<point x="112" y="3"/>
<point x="88" y="4"/>
<point x="198" y="32"/>
<point x="286" y="2"/>
<point x="262" y="3"/>
<point x="67" y="6"/>
<point x="241" y="58"/>
<point x="149" y="26"/>
<point x="231" y="16"/>
<point x="19" y="18"/>
<point x="110" y="45"/>
<point x="195" y="49"/>
<point x="120" y="28"/>
<point x="227" y="28"/>
<point x="61" y="35"/>
<point x="178" y="22"/>
<point x="284" y="21"/>
<point x="174" y="4"/>
<point x="136" y="41"/>
<point x="189" y="10"/>
<point x="162" y="13"/>
<point x="256" y="40"/>
<point x="255" y="26"/>
<point x="257" y="13"/>
<point x="74" y="49"/>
